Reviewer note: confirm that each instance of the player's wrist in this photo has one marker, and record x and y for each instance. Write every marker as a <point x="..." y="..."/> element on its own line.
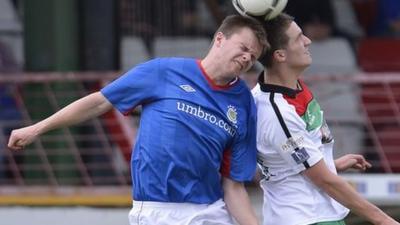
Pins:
<point x="381" y="219"/>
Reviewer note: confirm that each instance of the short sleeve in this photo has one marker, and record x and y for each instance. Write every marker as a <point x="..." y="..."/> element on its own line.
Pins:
<point x="293" y="143"/>
<point x="138" y="85"/>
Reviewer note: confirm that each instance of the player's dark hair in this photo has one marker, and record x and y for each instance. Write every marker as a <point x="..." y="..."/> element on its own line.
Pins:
<point x="234" y="23"/>
<point x="277" y="37"/>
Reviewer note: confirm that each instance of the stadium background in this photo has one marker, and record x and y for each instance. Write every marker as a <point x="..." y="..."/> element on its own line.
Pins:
<point x="55" y="51"/>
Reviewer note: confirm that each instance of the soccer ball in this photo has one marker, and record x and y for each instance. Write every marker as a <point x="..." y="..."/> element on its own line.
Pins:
<point x="266" y="9"/>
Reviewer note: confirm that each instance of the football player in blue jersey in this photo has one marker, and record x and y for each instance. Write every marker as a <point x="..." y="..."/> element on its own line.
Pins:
<point x="300" y="181"/>
<point x="196" y="142"/>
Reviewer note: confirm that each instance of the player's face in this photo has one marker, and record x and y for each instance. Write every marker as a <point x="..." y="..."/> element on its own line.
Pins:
<point x="297" y="52"/>
<point x="240" y="51"/>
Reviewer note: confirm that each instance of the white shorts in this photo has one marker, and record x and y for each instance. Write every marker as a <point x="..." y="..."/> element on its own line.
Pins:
<point x="160" y="213"/>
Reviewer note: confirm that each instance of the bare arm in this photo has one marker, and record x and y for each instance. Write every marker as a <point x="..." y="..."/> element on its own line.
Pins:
<point x="341" y="191"/>
<point x="238" y="202"/>
<point x="354" y="161"/>
<point x="82" y="109"/>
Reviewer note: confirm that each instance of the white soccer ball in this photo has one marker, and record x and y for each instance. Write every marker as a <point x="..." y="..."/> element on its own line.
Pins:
<point x="268" y="9"/>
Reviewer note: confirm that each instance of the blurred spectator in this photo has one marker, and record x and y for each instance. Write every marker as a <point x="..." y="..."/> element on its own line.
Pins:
<point x="317" y="19"/>
<point x="365" y="11"/>
<point x="346" y="19"/>
<point x="168" y="18"/>
<point x="387" y="21"/>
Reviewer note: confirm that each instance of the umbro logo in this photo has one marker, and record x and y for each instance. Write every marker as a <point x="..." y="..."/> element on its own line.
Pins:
<point x="187" y="88"/>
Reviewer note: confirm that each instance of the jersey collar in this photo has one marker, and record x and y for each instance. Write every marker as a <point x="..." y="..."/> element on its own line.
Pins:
<point x="212" y="84"/>
<point x="291" y="93"/>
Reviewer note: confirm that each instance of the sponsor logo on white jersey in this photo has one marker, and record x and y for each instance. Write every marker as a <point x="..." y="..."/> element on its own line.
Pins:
<point x="292" y="143"/>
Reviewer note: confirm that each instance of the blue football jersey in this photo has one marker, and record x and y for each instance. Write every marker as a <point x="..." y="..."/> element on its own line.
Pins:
<point x="191" y="131"/>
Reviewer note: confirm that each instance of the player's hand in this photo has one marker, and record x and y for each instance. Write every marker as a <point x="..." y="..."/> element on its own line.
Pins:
<point x="354" y="161"/>
<point x="22" y="137"/>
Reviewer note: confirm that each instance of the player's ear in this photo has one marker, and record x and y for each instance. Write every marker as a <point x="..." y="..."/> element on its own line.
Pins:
<point x="218" y="38"/>
<point x="280" y="55"/>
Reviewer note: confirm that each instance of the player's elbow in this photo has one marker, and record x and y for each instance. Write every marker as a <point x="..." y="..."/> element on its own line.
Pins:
<point x="322" y="177"/>
<point x="328" y="183"/>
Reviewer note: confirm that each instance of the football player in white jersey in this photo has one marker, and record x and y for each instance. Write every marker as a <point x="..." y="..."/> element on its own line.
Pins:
<point x="300" y="181"/>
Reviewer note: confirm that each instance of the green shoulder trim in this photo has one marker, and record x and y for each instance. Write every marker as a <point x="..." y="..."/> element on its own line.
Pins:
<point x="313" y="115"/>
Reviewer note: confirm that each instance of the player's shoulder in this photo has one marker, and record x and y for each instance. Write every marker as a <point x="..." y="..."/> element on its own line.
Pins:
<point x="256" y="90"/>
<point x="257" y="93"/>
<point x="275" y="104"/>
<point x="177" y="63"/>
<point x="174" y="61"/>
<point x="261" y="97"/>
<point x="167" y="62"/>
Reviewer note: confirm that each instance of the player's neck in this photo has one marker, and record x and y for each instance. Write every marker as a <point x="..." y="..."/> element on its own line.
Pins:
<point x="281" y="77"/>
<point x="215" y="72"/>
